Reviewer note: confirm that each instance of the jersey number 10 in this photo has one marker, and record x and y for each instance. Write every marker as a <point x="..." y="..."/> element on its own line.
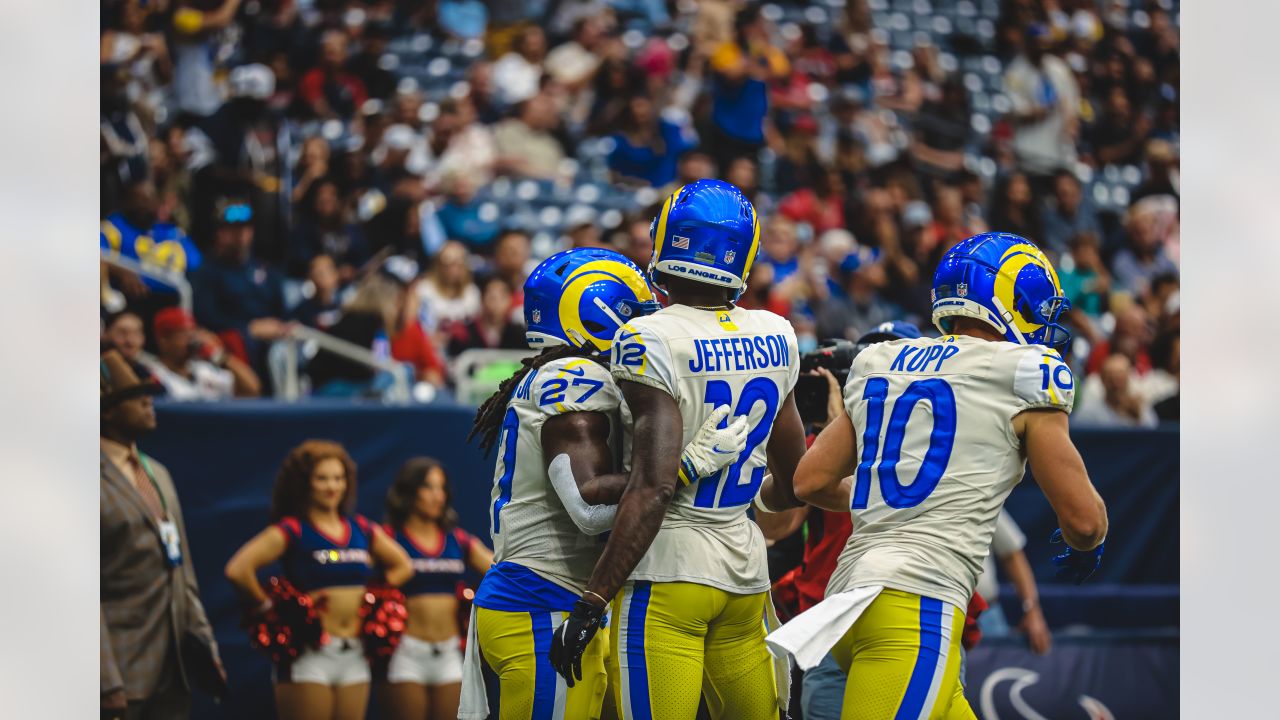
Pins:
<point x="736" y="492"/>
<point x="896" y="495"/>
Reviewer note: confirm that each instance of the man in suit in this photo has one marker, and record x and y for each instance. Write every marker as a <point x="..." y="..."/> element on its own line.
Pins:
<point x="155" y="639"/>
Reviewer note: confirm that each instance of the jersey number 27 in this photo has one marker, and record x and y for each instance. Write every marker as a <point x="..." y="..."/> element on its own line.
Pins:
<point x="884" y="462"/>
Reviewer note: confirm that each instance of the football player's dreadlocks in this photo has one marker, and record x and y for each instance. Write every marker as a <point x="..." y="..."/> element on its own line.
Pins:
<point x="488" y="423"/>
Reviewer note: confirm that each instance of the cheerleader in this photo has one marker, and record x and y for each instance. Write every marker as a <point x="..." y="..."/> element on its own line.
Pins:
<point x="330" y="554"/>
<point x="425" y="674"/>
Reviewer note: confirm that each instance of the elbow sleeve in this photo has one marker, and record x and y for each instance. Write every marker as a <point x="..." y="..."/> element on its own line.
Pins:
<point x="590" y="519"/>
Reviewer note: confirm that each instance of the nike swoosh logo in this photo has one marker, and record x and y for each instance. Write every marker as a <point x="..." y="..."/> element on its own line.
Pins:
<point x="716" y="449"/>
<point x="625" y="337"/>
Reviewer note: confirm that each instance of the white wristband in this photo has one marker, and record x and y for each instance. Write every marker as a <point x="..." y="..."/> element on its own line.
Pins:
<point x="759" y="505"/>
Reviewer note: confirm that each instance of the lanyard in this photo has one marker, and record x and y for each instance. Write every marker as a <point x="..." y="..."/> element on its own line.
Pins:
<point x="146" y="467"/>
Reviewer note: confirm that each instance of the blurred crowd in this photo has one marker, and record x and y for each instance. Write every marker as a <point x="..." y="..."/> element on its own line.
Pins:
<point x="388" y="171"/>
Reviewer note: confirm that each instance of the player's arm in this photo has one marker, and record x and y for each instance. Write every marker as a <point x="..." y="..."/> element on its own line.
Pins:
<point x="1060" y="472"/>
<point x="778" y="525"/>
<point x="242" y="569"/>
<point x="394" y="561"/>
<point x="584" y="437"/>
<point x="580" y="462"/>
<point x="786" y="447"/>
<point x="823" y="476"/>
<point x="655" y="465"/>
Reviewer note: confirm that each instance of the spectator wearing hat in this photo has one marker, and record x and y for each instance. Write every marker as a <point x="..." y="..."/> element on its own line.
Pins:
<point x="155" y="640"/>
<point x="235" y="295"/>
<point x="328" y="88"/>
<point x="236" y="153"/>
<point x="493" y="327"/>
<point x="854" y="302"/>
<point x="646" y="147"/>
<point x="193" y="364"/>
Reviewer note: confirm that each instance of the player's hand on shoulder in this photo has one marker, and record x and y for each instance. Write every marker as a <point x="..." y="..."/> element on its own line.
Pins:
<point x="714" y="447"/>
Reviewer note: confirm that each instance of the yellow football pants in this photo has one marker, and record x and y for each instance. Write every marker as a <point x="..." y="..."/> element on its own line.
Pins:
<point x="903" y="660"/>
<point x="674" y="642"/>
<point x="516" y="646"/>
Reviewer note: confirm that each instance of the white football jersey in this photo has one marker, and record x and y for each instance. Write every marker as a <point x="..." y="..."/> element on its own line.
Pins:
<point x="937" y="456"/>
<point x="746" y="359"/>
<point x="529" y="523"/>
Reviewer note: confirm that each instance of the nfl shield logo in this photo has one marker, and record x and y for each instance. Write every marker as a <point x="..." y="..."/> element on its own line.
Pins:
<point x="962" y="289"/>
<point x="537" y="315"/>
<point x="680" y="241"/>
<point x="729" y="255"/>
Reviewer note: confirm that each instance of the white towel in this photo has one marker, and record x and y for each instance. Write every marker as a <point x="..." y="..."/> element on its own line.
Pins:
<point x="474" y="702"/>
<point x="809" y="636"/>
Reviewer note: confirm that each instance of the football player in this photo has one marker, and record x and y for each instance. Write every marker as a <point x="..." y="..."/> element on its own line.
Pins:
<point x="938" y="432"/>
<point x="690" y="619"/>
<point x="554" y="483"/>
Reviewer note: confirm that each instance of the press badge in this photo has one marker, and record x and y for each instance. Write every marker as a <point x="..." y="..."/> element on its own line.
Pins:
<point x="172" y="542"/>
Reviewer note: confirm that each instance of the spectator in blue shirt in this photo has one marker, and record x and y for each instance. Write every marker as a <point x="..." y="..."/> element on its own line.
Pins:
<point x="235" y="295"/>
<point x="740" y="94"/>
<point x="1067" y="214"/>
<point x="463" y="217"/>
<point x="1135" y="266"/>
<point x="647" y="147"/>
<point x="133" y="233"/>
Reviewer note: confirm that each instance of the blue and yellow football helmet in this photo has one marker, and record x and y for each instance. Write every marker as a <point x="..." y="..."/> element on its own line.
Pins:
<point x="1005" y="281"/>
<point x="706" y="231"/>
<point x="583" y="296"/>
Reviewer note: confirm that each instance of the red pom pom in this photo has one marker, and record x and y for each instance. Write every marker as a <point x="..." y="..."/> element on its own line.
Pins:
<point x="383" y="617"/>
<point x="288" y="627"/>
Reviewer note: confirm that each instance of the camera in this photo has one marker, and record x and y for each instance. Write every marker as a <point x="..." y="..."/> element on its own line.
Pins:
<point x="811" y="392"/>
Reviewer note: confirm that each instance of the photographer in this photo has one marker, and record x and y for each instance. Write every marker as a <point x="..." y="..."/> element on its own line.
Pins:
<point x="192" y="364"/>
<point x="820" y="399"/>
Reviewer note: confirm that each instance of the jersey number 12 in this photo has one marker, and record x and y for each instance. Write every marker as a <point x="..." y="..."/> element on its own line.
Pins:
<point x="937" y="393"/>
<point x="736" y="492"/>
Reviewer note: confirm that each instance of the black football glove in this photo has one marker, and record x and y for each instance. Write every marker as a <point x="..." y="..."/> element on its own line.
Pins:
<point x="570" y="640"/>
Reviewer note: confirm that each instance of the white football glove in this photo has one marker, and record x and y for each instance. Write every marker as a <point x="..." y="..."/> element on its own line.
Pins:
<point x="713" y="448"/>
